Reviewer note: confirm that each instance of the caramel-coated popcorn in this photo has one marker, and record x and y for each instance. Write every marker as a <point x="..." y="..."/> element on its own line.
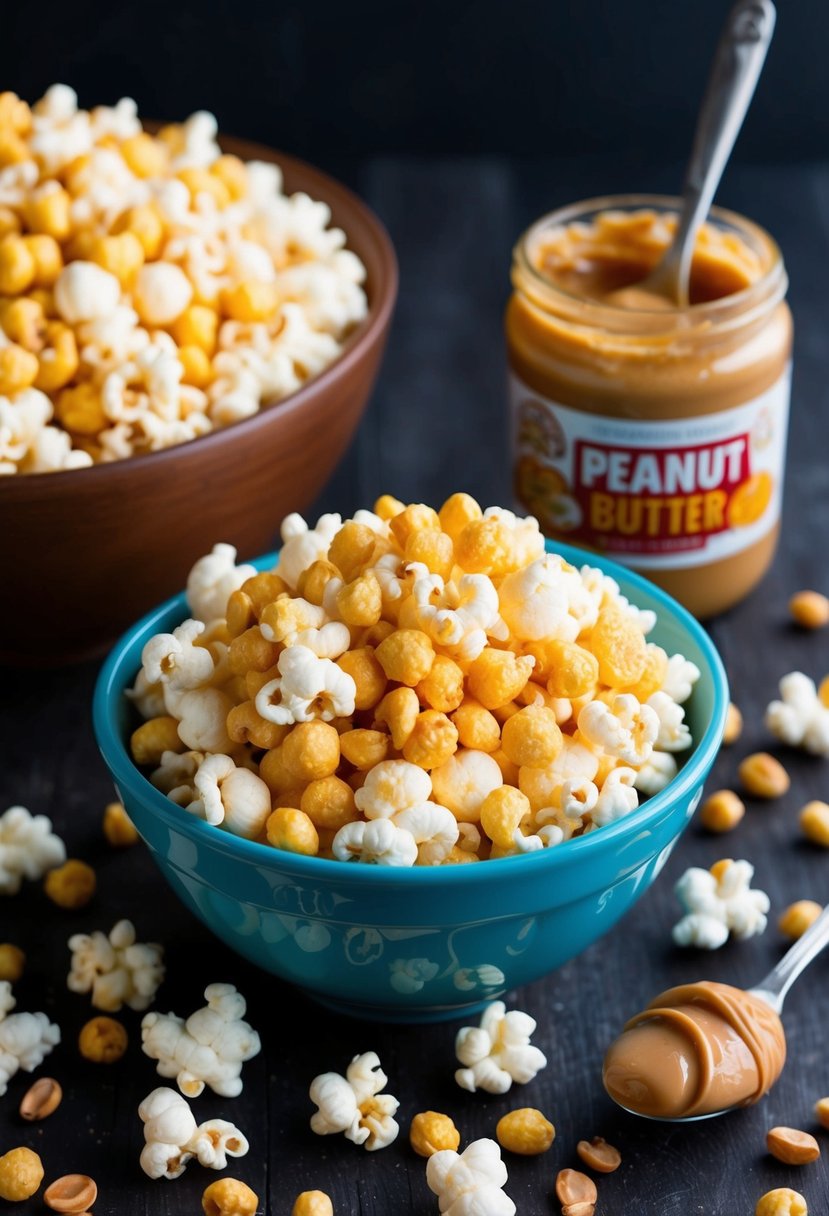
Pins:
<point x="388" y="694"/>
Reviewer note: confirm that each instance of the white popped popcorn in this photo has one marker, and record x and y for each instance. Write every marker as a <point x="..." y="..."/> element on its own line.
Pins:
<point x="498" y="1052"/>
<point x="25" y="1038"/>
<point x="392" y="786"/>
<point x="211" y="581"/>
<point x="658" y="770"/>
<point x="230" y="795"/>
<point x="173" y="659"/>
<point x="209" y="1048"/>
<point x="462" y="783"/>
<point x="717" y="902"/>
<point x="799" y="718"/>
<point x="470" y="1183"/>
<point x="28" y="848"/>
<point x="306" y="688"/>
<point x="680" y="678"/>
<point x="535" y="602"/>
<point x="379" y="842"/>
<point x="85" y="292"/>
<point x="115" y="968"/>
<point x="624" y="729"/>
<point x="172" y="1138"/>
<point x="617" y="797"/>
<point x="202" y="715"/>
<point x="458" y="616"/>
<point x="674" y="734"/>
<point x="302" y="546"/>
<point x="355" y="1104"/>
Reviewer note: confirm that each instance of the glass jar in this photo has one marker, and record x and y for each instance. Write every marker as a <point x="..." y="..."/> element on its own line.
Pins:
<point x="653" y="434"/>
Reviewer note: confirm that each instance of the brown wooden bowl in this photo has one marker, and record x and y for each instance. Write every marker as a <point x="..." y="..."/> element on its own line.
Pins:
<point x="85" y="552"/>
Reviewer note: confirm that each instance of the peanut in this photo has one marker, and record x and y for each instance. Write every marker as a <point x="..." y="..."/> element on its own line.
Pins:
<point x="573" y="1188"/>
<point x="41" y="1099"/>
<point x="809" y="609"/>
<point x="791" y="1146"/>
<point x="763" y="777"/>
<point x="71" y="1193"/>
<point x="721" y="811"/>
<point x="599" y="1155"/>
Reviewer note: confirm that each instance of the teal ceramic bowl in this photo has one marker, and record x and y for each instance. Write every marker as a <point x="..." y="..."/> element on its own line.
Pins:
<point x="426" y="943"/>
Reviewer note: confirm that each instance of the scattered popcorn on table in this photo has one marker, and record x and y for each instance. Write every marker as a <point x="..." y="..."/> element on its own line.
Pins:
<point x="116" y="969"/>
<point x="28" y="848"/>
<point x="470" y="1183"/>
<point x="410" y="687"/>
<point x="229" y="1197"/>
<point x="355" y="1104"/>
<point x="717" y="902"/>
<point x="207" y="1049"/>
<point x="153" y="289"/>
<point x="799" y="718"/>
<point x="21" y="1173"/>
<point x="71" y="885"/>
<point x="498" y="1052"/>
<point x="172" y="1137"/>
<point x="25" y="1038"/>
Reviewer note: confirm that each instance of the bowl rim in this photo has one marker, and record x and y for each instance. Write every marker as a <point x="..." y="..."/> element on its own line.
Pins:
<point x="363" y="335"/>
<point x="115" y="676"/>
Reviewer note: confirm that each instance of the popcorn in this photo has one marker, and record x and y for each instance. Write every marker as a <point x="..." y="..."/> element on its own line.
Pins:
<point x="355" y="1105"/>
<point x="459" y="615"/>
<point x="799" y="718"/>
<point x="535" y="602"/>
<point x="498" y="1052"/>
<point x="463" y="782"/>
<point x="673" y="734"/>
<point x="28" y="848"/>
<point x="307" y="687"/>
<point x="25" y="1038"/>
<point x="470" y="1183"/>
<point x="302" y="546"/>
<point x="172" y="659"/>
<point x="655" y="773"/>
<point x="85" y="292"/>
<point x="230" y="795"/>
<point x="379" y="842"/>
<point x="617" y="798"/>
<point x="172" y="1138"/>
<point x="717" y="902"/>
<point x="624" y="729"/>
<point x="208" y="1048"/>
<point x="211" y="581"/>
<point x="680" y="678"/>
<point x="392" y="787"/>
<point x="116" y="969"/>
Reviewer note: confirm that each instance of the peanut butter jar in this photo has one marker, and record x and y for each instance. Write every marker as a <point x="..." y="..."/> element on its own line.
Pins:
<point x="650" y="433"/>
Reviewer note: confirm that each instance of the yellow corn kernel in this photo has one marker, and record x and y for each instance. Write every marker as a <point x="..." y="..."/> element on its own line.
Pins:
<point x="198" y="326"/>
<point x="416" y="517"/>
<point x="502" y="812"/>
<point x="198" y="369"/>
<point x="721" y="811"/>
<point x="145" y="223"/>
<point x="251" y="652"/>
<point x="263" y="589"/>
<point x="431" y="1132"/>
<point x="442" y="689"/>
<point x="360" y="603"/>
<point x="122" y="255"/>
<point x="12" y="962"/>
<point x="13" y="149"/>
<point x="102" y="1040"/>
<point x="201" y="181"/>
<point x="352" y="549"/>
<point x="58" y="361"/>
<point x="485" y="546"/>
<point x="229" y="1197"/>
<point x="782" y="1201"/>
<point x="525" y="1131"/>
<point x="733" y="725"/>
<point x="80" y="409"/>
<point x="458" y="511"/>
<point x="814" y="823"/>
<point x="433" y="741"/>
<point x="406" y="656"/>
<point x="21" y="1173"/>
<point x="239" y="613"/>
<point x="246" y="725"/>
<point x="367" y="674"/>
<point x="17" y="266"/>
<point x="822" y="1112"/>
<point x="312" y="1203"/>
<point x="365" y="748"/>
<point x="119" y="829"/>
<point x="231" y="171"/>
<point x="154" y="737"/>
<point x="477" y="727"/>
<point x="47" y="211"/>
<point x="145" y="156"/>
<point x="23" y="321"/>
<point x="809" y="609"/>
<point x="292" y="830"/>
<point x="619" y="645"/>
<point x="398" y="710"/>
<point x="311" y="751"/>
<point x="18" y="369"/>
<point x="71" y="885"/>
<point x="797" y="918"/>
<point x="497" y="676"/>
<point x="47" y="257"/>
<point x="10" y="222"/>
<point x="567" y="669"/>
<point x="329" y="802"/>
<point x="433" y="549"/>
<point x="532" y="737"/>
<point x="762" y="776"/>
<point x="251" y="300"/>
<point x="15" y="114"/>
<point x="653" y="677"/>
<point x="387" y="506"/>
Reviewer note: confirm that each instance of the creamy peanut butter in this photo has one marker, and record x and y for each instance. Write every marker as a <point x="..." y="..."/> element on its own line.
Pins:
<point x="652" y="433"/>
<point x="694" y="1050"/>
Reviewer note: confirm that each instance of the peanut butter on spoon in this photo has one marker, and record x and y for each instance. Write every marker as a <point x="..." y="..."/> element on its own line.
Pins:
<point x="704" y="1048"/>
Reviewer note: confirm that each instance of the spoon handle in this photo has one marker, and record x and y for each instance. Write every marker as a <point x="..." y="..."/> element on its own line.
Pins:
<point x="777" y="983"/>
<point x="738" y="61"/>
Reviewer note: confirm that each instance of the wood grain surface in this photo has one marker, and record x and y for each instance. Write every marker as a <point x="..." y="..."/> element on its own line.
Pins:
<point x="437" y="423"/>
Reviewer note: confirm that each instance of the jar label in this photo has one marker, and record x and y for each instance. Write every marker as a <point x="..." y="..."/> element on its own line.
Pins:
<point x="671" y="493"/>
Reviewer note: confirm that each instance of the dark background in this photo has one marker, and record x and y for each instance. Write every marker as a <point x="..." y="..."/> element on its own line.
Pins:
<point x="321" y="79"/>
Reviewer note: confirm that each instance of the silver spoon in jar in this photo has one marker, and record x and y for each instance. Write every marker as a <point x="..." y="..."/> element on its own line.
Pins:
<point x="738" y="61"/>
<point x="639" y="1085"/>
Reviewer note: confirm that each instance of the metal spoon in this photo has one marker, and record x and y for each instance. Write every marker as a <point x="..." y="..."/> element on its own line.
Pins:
<point x="772" y="990"/>
<point x="738" y="61"/>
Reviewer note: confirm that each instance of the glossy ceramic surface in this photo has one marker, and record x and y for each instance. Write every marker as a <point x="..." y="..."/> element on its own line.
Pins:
<point x="424" y="943"/>
<point x="115" y="539"/>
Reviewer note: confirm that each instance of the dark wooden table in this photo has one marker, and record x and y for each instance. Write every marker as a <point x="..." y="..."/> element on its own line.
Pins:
<point x="437" y="423"/>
